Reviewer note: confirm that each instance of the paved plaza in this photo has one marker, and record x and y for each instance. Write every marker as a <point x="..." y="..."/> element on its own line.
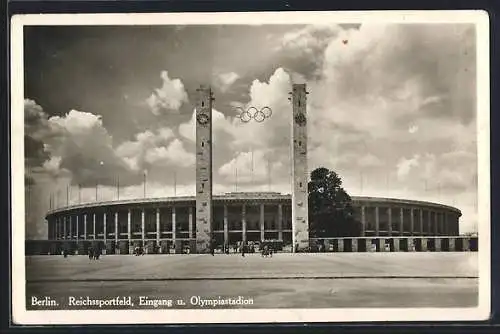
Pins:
<point x="283" y="281"/>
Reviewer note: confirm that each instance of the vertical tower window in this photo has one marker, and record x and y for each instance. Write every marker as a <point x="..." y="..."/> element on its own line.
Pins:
<point x="202" y="144"/>
<point x="202" y="103"/>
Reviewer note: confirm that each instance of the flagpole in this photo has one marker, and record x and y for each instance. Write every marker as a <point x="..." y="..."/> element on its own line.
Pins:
<point x="118" y="187"/>
<point x="361" y="182"/>
<point x="144" y="184"/>
<point x="175" y="184"/>
<point x="268" y="174"/>
<point x="251" y="167"/>
<point x="236" y="174"/>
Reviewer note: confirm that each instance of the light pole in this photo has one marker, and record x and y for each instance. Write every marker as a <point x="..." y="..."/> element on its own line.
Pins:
<point x="175" y="184"/>
<point x="101" y="163"/>
<point x="118" y="187"/>
<point x="245" y="116"/>
<point x="145" y="183"/>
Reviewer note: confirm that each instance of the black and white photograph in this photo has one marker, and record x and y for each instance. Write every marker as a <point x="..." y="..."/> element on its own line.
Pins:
<point x="250" y="167"/>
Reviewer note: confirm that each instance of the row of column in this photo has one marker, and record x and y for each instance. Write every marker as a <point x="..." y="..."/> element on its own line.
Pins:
<point x="64" y="226"/>
<point x="439" y="225"/>
<point x="395" y="244"/>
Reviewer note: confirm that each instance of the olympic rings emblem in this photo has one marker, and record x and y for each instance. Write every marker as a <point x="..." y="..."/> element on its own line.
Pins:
<point x="259" y="115"/>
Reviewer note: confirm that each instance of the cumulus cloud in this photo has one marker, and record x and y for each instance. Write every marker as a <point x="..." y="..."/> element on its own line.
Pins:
<point x="79" y="143"/>
<point x="155" y="148"/>
<point x="251" y="167"/>
<point x="395" y="103"/>
<point x="405" y="165"/>
<point x="169" y="97"/>
<point x="225" y="80"/>
<point x="309" y="39"/>
<point x="175" y="154"/>
<point x="36" y="128"/>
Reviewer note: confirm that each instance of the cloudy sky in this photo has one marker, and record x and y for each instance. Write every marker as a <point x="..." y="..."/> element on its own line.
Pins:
<point x="392" y="109"/>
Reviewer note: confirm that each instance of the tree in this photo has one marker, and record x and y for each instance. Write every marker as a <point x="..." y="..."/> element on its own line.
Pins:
<point x="330" y="207"/>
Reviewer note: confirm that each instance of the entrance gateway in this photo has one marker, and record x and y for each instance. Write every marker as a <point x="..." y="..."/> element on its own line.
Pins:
<point x="300" y="176"/>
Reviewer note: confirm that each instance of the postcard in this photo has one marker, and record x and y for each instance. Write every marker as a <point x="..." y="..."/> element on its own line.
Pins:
<point x="250" y="167"/>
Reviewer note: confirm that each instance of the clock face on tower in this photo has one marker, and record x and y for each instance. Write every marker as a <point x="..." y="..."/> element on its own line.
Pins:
<point x="300" y="119"/>
<point x="202" y="118"/>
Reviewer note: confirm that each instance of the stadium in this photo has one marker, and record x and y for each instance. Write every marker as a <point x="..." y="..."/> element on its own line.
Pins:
<point x="204" y="222"/>
<point x="167" y="225"/>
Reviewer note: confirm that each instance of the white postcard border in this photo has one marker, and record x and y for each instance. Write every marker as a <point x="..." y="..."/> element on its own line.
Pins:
<point x="22" y="316"/>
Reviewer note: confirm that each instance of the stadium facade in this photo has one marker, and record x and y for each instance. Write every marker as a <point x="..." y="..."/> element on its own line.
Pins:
<point x="167" y="225"/>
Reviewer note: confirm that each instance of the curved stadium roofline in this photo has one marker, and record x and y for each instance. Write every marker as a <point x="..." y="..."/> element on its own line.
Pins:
<point x="241" y="196"/>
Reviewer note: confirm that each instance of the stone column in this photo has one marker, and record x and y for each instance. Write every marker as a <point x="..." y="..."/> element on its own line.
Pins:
<point x="465" y="244"/>
<point x="190" y="222"/>
<point x="93" y="226"/>
<point x="389" y="220"/>
<point x="354" y="245"/>
<point x="451" y="244"/>
<point x="85" y="227"/>
<point x="363" y="221"/>
<point x="243" y="223"/>
<point x="401" y="222"/>
<point x="226" y="229"/>
<point x="377" y="222"/>
<point x="64" y="228"/>
<point x="437" y="244"/>
<point x="261" y="222"/>
<point x="105" y="227"/>
<point x="424" y="244"/>
<point x="410" y="244"/>
<point x="158" y="232"/>
<point x="396" y="244"/>
<point x="280" y="221"/>
<point x="117" y="232"/>
<point x="70" y="227"/>
<point x="129" y="225"/>
<point x="412" y="222"/>
<point x="340" y="245"/>
<point x="143" y="225"/>
<point x="174" y="227"/>
<point x="204" y="178"/>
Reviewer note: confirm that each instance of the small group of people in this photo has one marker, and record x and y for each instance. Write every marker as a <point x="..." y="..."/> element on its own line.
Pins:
<point x="138" y="251"/>
<point x="94" y="253"/>
<point x="266" y="251"/>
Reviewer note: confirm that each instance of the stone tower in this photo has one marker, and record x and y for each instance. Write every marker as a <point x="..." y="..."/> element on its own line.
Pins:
<point x="300" y="176"/>
<point x="203" y="170"/>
